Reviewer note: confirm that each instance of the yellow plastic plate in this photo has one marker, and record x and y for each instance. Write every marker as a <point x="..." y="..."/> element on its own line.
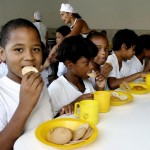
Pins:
<point x="121" y="102"/>
<point x="71" y="123"/>
<point x="133" y="91"/>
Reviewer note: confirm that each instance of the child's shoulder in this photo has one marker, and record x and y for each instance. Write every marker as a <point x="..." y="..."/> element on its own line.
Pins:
<point x="58" y="83"/>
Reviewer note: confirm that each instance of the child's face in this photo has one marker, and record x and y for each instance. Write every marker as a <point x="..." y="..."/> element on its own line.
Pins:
<point x="82" y="67"/>
<point x="59" y="37"/>
<point x="147" y="53"/>
<point x="102" y="45"/>
<point x="22" y="49"/>
<point x="129" y="53"/>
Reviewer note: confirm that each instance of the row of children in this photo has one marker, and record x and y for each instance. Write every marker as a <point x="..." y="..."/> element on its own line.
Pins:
<point x="25" y="101"/>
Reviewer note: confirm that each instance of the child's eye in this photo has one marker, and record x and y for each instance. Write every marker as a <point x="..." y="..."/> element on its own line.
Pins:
<point x="86" y="63"/>
<point x="18" y="49"/>
<point x="36" y="49"/>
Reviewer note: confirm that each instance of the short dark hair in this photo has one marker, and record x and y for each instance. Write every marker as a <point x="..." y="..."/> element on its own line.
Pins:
<point x="124" y="36"/>
<point x="75" y="47"/>
<point x="143" y="43"/>
<point x="94" y="33"/>
<point x="64" y="30"/>
<point x="11" y="25"/>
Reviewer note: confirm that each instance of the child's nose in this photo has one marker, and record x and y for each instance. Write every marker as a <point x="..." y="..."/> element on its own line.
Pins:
<point x="29" y="56"/>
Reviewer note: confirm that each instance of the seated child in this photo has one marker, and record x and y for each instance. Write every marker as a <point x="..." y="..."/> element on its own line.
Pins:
<point x="99" y="62"/>
<point x="24" y="100"/>
<point x="124" y="43"/>
<point x="58" y="68"/>
<point x="76" y="53"/>
<point x="140" y="61"/>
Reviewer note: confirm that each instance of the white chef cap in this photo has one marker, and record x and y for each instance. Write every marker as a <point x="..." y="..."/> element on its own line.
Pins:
<point x="67" y="8"/>
<point x="37" y="15"/>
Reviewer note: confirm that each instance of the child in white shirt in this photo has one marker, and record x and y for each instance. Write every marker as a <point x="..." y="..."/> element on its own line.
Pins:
<point x="140" y="61"/>
<point x="124" y="43"/>
<point x="77" y="54"/>
<point x="24" y="101"/>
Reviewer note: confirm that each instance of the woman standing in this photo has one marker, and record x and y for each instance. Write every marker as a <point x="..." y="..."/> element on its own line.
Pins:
<point x="70" y="16"/>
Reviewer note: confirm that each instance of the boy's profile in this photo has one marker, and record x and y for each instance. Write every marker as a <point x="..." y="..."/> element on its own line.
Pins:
<point x="76" y="53"/>
<point x="124" y="44"/>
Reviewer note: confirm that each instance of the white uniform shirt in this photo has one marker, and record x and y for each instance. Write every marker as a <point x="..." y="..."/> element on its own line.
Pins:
<point x="9" y="100"/>
<point x="123" y="72"/>
<point x="42" y="30"/>
<point x="136" y="66"/>
<point x="63" y="93"/>
<point x="61" y="69"/>
<point x="3" y="69"/>
<point x="45" y="74"/>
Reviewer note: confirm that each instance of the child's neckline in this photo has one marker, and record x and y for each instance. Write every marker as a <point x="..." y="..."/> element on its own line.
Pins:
<point x="82" y="91"/>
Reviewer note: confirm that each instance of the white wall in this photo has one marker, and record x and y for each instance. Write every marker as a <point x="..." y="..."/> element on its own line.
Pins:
<point x="10" y="9"/>
<point x="115" y="14"/>
<point x="99" y="14"/>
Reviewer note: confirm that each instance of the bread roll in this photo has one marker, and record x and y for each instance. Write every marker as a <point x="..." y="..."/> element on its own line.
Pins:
<point x="61" y="135"/>
<point x="27" y="69"/>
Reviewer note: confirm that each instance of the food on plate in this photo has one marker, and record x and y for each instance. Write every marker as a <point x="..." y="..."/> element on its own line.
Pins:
<point x="117" y="97"/>
<point x="78" y="134"/>
<point x="87" y="134"/>
<point x="59" y="135"/>
<point x="62" y="135"/>
<point x="27" y="69"/>
<point x="138" y="88"/>
<point x="123" y="97"/>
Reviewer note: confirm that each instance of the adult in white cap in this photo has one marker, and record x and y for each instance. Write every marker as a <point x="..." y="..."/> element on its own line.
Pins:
<point x="70" y="16"/>
<point x="41" y="27"/>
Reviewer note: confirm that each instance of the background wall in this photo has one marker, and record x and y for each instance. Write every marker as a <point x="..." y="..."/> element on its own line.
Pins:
<point x="112" y="15"/>
<point x="115" y="14"/>
<point x="10" y="9"/>
<point x="99" y="14"/>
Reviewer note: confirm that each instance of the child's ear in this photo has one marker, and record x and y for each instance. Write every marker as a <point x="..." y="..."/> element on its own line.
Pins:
<point x="123" y="46"/>
<point x="2" y="54"/>
<point x="68" y="64"/>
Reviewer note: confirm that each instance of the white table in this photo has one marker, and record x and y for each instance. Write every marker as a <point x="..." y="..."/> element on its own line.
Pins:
<point x="125" y="127"/>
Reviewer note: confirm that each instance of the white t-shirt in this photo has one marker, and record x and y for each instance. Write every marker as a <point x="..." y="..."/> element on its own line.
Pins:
<point x="61" y="69"/>
<point x="63" y="92"/>
<point x="42" y="30"/>
<point x="135" y="65"/>
<point x="9" y="100"/>
<point x="123" y="72"/>
<point x="45" y="73"/>
<point x="3" y="69"/>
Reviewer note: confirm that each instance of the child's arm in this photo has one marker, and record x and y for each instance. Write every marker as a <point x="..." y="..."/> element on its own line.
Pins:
<point x="114" y="83"/>
<point x="100" y="81"/>
<point x="106" y="69"/>
<point x="31" y="87"/>
<point x="147" y="66"/>
<point x="69" y="109"/>
<point x="45" y="65"/>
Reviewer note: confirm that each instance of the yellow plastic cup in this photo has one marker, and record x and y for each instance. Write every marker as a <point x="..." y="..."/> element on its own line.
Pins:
<point x="103" y="99"/>
<point x="147" y="79"/>
<point x="88" y="110"/>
